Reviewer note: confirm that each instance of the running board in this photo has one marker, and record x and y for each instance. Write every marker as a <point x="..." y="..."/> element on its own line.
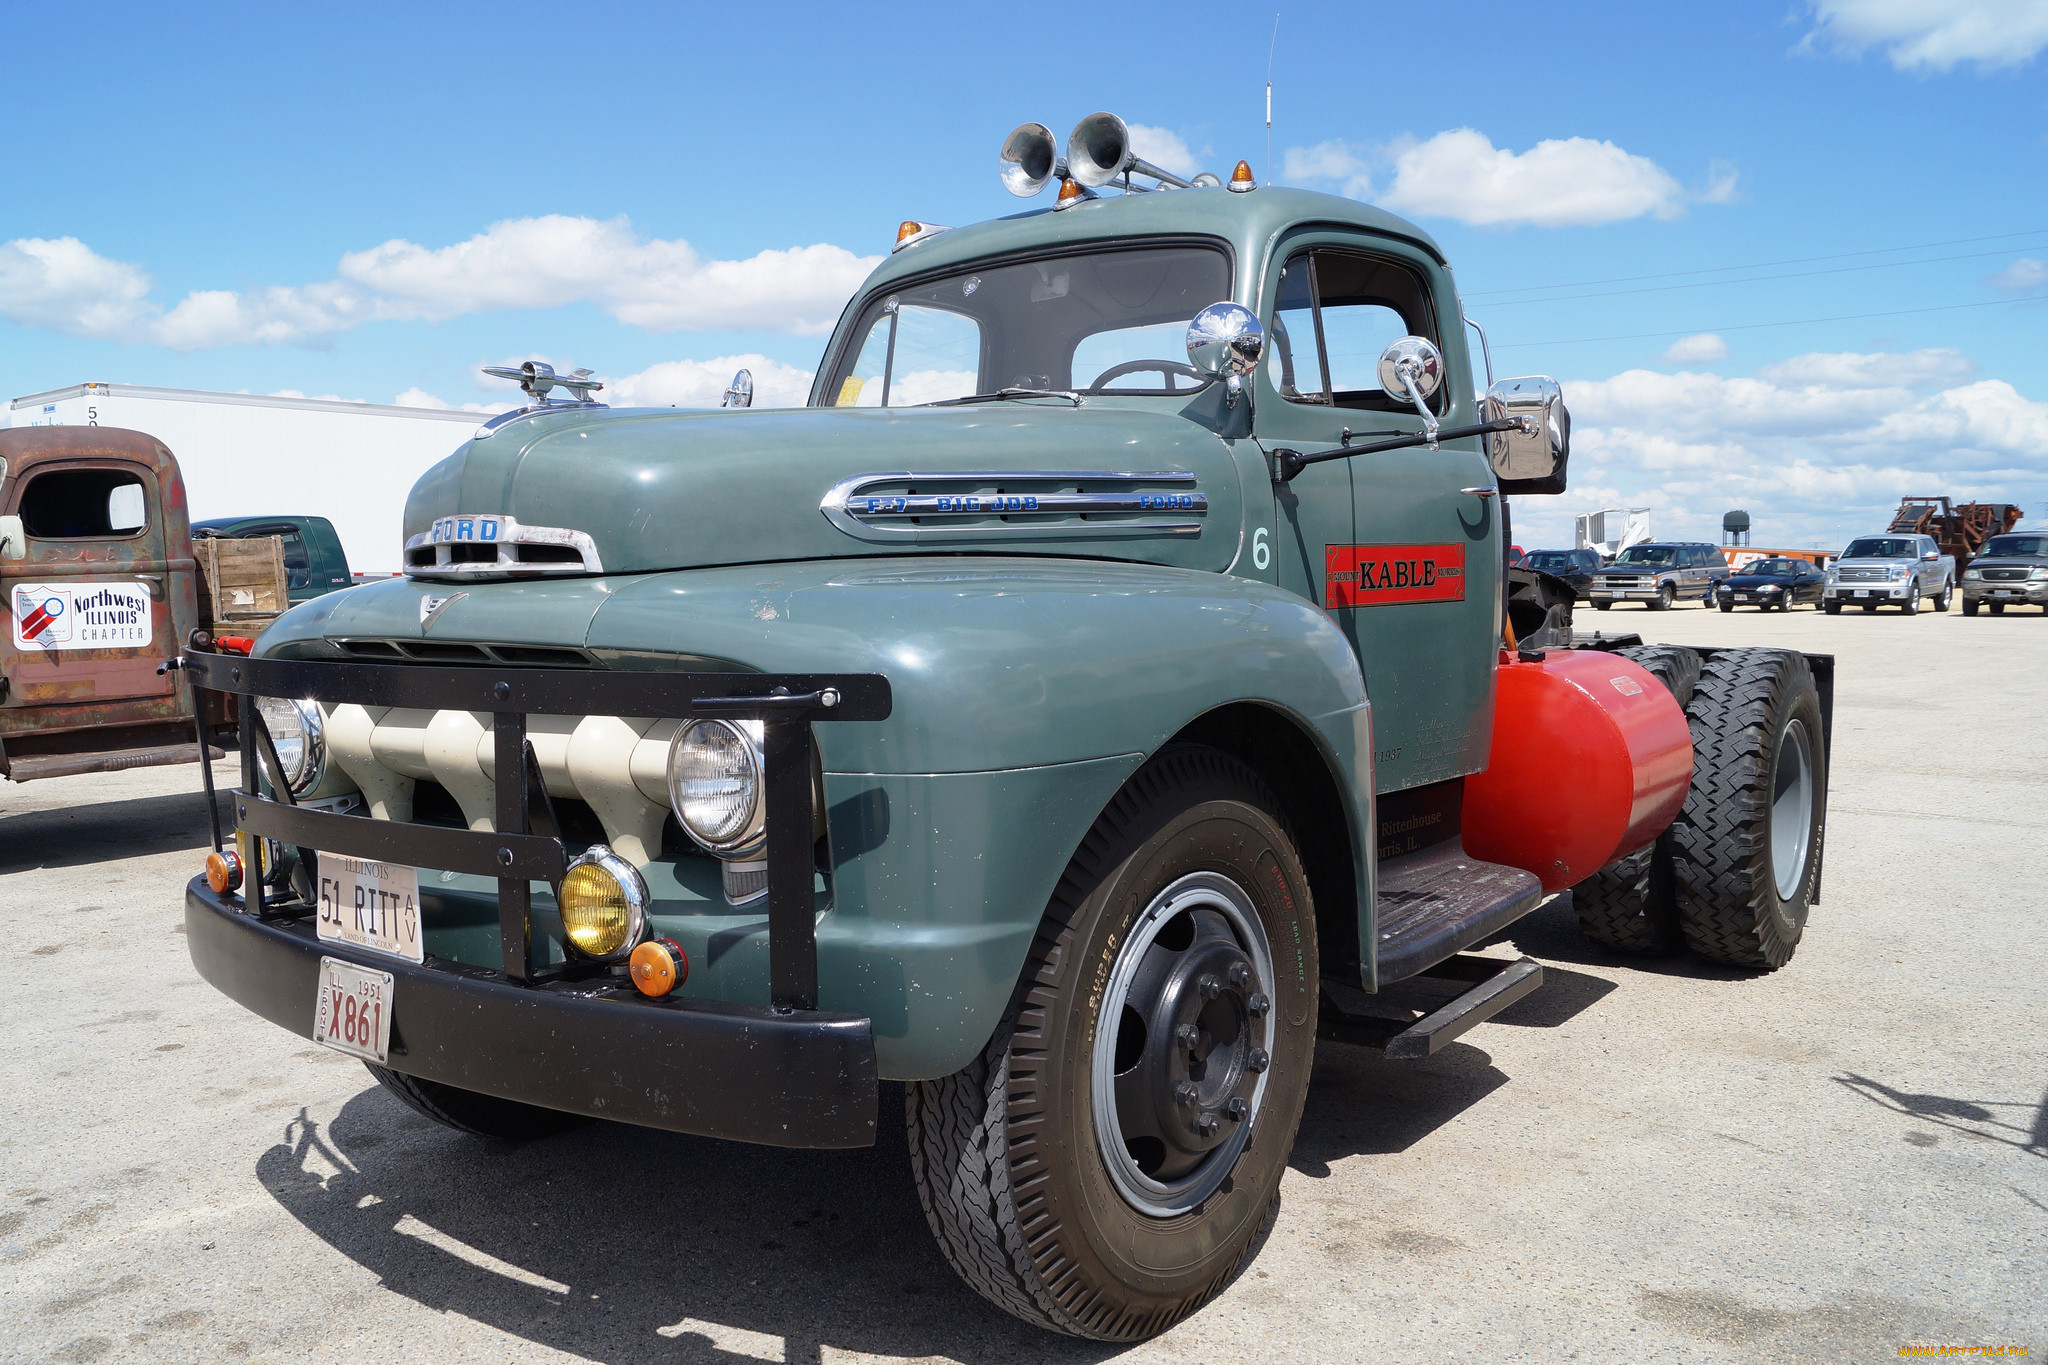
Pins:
<point x="1494" y="985"/>
<point x="1442" y="901"/>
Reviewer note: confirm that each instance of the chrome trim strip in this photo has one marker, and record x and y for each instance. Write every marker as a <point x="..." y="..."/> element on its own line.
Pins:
<point x="1026" y="513"/>
<point x="503" y="419"/>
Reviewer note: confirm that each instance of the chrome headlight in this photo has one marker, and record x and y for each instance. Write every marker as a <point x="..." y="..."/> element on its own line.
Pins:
<point x="299" y="736"/>
<point x="2039" y="573"/>
<point x="1770" y="587"/>
<point x="714" y="785"/>
<point x="603" y="903"/>
<point x="1973" y="573"/>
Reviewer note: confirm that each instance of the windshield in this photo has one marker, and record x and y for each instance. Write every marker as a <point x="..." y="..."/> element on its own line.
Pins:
<point x="2017" y="545"/>
<point x="1108" y="320"/>
<point x="1774" y="568"/>
<point x="1882" y="547"/>
<point x="1550" y="561"/>
<point x="1647" y="554"/>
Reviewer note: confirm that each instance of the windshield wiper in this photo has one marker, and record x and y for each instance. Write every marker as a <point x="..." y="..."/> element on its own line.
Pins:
<point x="1001" y="395"/>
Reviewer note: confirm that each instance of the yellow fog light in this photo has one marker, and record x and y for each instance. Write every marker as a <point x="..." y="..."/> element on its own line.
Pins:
<point x="603" y="903"/>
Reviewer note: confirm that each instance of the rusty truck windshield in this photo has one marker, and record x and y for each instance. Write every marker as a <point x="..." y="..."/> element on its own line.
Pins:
<point x="1108" y="321"/>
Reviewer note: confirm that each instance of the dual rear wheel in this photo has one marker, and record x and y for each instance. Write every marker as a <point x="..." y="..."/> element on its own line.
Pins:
<point x="1735" y="875"/>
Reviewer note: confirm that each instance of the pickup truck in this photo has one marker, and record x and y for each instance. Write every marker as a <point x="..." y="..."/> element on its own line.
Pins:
<point x="1890" y="570"/>
<point x="314" y="562"/>
<point x="1096" y="695"/>
<point x="1659" y="574"/>
<point x="2010" y="571"/>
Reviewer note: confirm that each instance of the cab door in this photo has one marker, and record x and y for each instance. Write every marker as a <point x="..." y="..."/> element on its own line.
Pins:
<point x="89" y="605"/>
<point x="1405" y="558"/>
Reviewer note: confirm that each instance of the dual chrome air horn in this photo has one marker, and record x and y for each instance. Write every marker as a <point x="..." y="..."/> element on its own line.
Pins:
<point x="1098" y="151"/>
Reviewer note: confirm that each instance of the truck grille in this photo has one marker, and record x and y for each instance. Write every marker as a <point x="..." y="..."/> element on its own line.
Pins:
<point x="1879" y="575"/>
<point x="1626" y="581"/>
<point x="2006" y="575"/>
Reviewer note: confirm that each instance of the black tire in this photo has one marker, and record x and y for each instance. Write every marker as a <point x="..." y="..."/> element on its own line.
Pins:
<point x="1756" y="722"/>
<point x="1727" y="606"/>
<point x="1969" y="606"/>
<point x="1911" y="606"/>
<point x="466" y="1111"/>
<point x="1016" y="1186"/>
<point x="1997" y="608"/>
<point x="1629" y="905"/>
<point x="1870" y="606"/>
<point x="1948" y="590"/>
<point x="1666" y="595"/>
<point x="1602" y="606"/>
<point x="1831" y="608"/>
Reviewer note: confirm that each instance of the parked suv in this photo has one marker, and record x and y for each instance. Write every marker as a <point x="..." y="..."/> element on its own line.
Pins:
<point x="2010" y="571"/>
<point x="1575" y="567"/>
<point x="1658" y="575"/>
<point x="1896" y="571"/>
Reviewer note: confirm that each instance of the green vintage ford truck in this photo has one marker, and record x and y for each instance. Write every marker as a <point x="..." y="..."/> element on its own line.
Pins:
<point x="1107" y="685"/>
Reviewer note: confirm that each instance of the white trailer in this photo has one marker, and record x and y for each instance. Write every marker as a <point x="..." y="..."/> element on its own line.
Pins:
<point x="250" y="455"/>
<point x="1612" y="530"/>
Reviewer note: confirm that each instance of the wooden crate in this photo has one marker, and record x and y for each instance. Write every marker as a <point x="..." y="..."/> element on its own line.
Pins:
<point x="242" y="581"/>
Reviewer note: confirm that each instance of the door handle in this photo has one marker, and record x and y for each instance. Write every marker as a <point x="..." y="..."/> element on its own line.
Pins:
<point x="1485" y="490"/>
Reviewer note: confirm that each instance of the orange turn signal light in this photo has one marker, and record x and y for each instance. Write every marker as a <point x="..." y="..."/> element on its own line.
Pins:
<point x="1241" y="178"/>
<point x="658" y="966"/>
<point x="1070" y="190"/>
<point x="224" y="871"/>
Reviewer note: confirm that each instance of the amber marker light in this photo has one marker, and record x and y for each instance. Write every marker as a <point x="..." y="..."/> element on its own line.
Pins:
<point x="1241" y="178"/>
<point x="912" y="232"/>
<point x="658" y="966"/>
<point x="1072" y="191"/>
<point x="224" y="871"/>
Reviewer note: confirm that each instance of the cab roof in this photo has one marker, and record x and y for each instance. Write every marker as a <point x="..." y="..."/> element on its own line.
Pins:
<point x="1250" y="222"/>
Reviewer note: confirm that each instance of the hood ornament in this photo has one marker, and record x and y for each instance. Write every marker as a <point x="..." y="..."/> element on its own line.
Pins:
<point x="539" y="380"/>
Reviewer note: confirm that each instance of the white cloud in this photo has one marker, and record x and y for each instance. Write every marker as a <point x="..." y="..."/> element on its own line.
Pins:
<point x="65" y="286"/>
<point x="1559" y="182"/>
<point x="1817" y="447"/>
<point x="1164" y="148"/>
<point x="653" y="284"/>
<point x="420" y="398"/>
<point x="702" y="383"/>
<point x="1696" y="350"/>
<point x="2022" y="276"/>
<point x="1344" y="166"/>
<point x="1460" y="174"/>
<point x="1933" y="35"/>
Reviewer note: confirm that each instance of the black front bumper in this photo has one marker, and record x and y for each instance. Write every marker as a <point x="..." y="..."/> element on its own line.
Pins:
<point x="785" y="1078"/>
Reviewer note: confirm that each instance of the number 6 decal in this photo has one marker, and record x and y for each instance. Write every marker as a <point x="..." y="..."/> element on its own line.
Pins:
<point x="1262" y="553"/>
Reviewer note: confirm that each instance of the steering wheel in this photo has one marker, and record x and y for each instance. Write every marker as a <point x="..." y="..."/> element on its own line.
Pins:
<point x="1165" y="368"/>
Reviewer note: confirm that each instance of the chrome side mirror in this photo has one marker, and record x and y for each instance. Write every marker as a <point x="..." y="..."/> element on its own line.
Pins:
<point x="1226" y="342"/>
<point x="1531" y="457"/>
<point x="1413" y="369"/>
<point x="13" y="540"/>
<point x="739" y="393"/>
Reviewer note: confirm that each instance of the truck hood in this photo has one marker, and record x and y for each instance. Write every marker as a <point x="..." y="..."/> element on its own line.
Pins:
<point x="661" y="489"/>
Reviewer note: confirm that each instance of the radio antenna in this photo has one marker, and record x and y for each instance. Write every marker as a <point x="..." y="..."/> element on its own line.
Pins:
<point x="1271" y="48"/>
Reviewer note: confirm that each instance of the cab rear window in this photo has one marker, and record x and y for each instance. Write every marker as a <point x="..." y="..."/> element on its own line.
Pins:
<point x="84" y="504"/>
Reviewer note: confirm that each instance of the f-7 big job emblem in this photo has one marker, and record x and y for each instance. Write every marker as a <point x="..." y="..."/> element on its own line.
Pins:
<point x="1385" y="575"/>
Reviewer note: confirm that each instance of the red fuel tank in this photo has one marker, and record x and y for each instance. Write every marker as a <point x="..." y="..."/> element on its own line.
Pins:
<point x="1591" y="760"/>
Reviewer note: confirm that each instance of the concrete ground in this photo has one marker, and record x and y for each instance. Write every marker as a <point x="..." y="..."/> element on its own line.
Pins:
<point x="1645" y="1160"/>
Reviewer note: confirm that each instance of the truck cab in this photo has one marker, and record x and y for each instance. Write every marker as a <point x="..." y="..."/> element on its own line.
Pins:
<point x="98" y="575"/>
<point x="1900" y="571"/>
<point x="314" y="561"/>
<point x="1098" y="692"/>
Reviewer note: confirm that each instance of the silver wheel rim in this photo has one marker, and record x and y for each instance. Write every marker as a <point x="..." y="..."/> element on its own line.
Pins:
<point x="1198" y="891"/>
<point x="1791" y="810"/>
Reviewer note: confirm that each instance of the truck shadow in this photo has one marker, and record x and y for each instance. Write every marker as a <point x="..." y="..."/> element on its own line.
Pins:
<point x="1987" y="1120"/>
<point x="1551" y="934"/>
<point x="75" y="836"/>
<point x="1361" y="1104"/>
<point x="623" y="1244"/>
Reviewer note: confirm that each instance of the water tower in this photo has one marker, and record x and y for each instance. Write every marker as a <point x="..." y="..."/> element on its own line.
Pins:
<point x="1735" y="528"/>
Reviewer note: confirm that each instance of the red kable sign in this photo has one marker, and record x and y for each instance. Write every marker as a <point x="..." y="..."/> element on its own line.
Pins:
<point x="1383" y="575"/>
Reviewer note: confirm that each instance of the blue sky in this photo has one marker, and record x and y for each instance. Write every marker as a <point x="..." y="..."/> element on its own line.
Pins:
<point x="372" y="202"/>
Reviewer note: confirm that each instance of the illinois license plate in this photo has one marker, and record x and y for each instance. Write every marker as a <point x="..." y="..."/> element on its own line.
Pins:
<point x="353" y="1013"/>
<point x="369" y="904"/>
<point x="2007" y="592"/>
